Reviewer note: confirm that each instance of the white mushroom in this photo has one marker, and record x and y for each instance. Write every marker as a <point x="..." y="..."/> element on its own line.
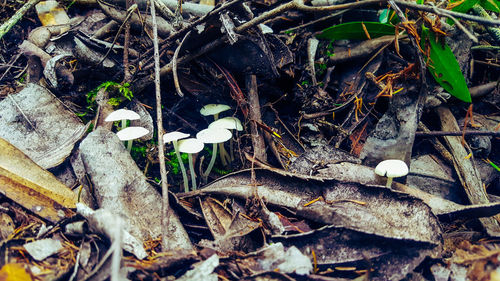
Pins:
<point x="213" y="136"/>
<point x="191" y="146"/>
<point x="392" y="168"/>
<point x="214" y="109"/>
<point x="123" y="115"/>
<point x="131" y="133"/>
<point x="230" y="123"/>
<point x="174" y="137"/>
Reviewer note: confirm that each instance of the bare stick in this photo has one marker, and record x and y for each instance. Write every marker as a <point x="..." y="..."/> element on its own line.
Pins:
<point x="174" y="66"/>
<point x="431" y="134"/>
<point x="159" y="121"/>
<point x="6" y="26"/>
<point x="259" y="147"/>
<point x="127" y="76"/>
<point x="130" y="11"/>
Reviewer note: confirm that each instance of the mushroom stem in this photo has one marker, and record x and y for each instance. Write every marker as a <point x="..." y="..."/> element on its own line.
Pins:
<point x="231" y="150"/>
<point x="211" y="164"/>
<point x="191" y="169"/>
<point x="183" y="169"/>
<point x="224" y="156"/>
<point x="128" y="144"/>
<point x="389" y="182"/>
<point x="222" y="151"/>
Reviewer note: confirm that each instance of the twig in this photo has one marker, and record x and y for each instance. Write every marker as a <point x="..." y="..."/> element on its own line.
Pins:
<point x="493" y="31"/>
<point x="254" y="114"/>
<point x="6" y="26"/>
<point x="411" y="5"/>
<point x="432" y="134"/>
<point x="315" y="21"/>
<point x="130" y="11"/>
<point x="159" y="122"/>
<point x="126" y="67"/>
<point x="10" y="65"/>
<point x="191" y="26"/>
<point x="174" y="66"/>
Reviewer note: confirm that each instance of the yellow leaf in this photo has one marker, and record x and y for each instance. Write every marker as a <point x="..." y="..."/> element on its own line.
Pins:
<point x="14" y="272"/>
<point x="29" y="185"/>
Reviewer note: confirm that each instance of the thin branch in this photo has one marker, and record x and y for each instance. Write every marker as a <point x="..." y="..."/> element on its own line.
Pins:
<point x="126" y="67"/>
<point x="432" y="134"/>
<point x="7" y="25"/>
<point x="159" y="122"/>
<point x="174" y="66"/>
<point x="130" y="11"/>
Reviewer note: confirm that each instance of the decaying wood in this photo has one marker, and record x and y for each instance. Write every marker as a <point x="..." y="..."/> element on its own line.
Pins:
<point x="466" y="171"/>
<point x="7" y="25"/>
<point x="255" y="116"/>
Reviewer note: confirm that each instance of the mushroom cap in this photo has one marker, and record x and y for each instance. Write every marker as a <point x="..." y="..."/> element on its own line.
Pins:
<point x="190" y="145"/>
<point x="214" y="135"/>
<point x="230" y="123"/>
<point x="173" y="136"/>
<point x="122" y="114"/>
<point x="131" y="133"/>
<point x="212" y="109"/>
<point x="392" y="168"/>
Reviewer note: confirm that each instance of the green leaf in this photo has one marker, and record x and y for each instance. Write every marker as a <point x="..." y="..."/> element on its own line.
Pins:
<point x="389" y="16"/>
<point x="444" y="66"/>
<point x="462" y="8"/>
<point x="490" y="5"/>
<point x="354" y="30"/>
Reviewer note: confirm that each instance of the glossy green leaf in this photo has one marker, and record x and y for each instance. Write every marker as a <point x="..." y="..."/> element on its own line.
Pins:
<point x="389" y="16"/>
<point x="444" y="66"/>
<point x="462" y="8"/>
<point x="354" y="30"/>
<point x="490" y="5"/>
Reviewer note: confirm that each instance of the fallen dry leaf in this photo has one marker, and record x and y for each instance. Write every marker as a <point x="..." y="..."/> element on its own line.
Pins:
<point x="34" y="188"/>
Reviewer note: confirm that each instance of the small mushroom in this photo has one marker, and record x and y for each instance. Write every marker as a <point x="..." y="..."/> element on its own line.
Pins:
<point x="132" y="133"/>
<point x="214" y="109"/>
<point x="213" y="136"/>
<point x="392" y="168"/>
<point x="191" y="146"/>
<point x="174" y="137"/>
<point x="123" y="115"/>
<point x="230" y="123"/>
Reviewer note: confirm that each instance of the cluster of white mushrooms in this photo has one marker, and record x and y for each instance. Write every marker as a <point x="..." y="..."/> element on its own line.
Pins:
<point x="216" y="134"/>
<point x="127" y="134"/>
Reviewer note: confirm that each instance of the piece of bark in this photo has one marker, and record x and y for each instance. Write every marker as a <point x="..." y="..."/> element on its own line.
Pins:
<point x="466" y="171"/>
<point x="395" y="132"/>
<point x="259" y="146"/>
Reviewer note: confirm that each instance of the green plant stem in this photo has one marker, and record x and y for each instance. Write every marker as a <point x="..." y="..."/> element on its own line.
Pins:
<point x="183" y="169"/>
<point x="211" y="164"/>
<point x="191" y="169"/>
